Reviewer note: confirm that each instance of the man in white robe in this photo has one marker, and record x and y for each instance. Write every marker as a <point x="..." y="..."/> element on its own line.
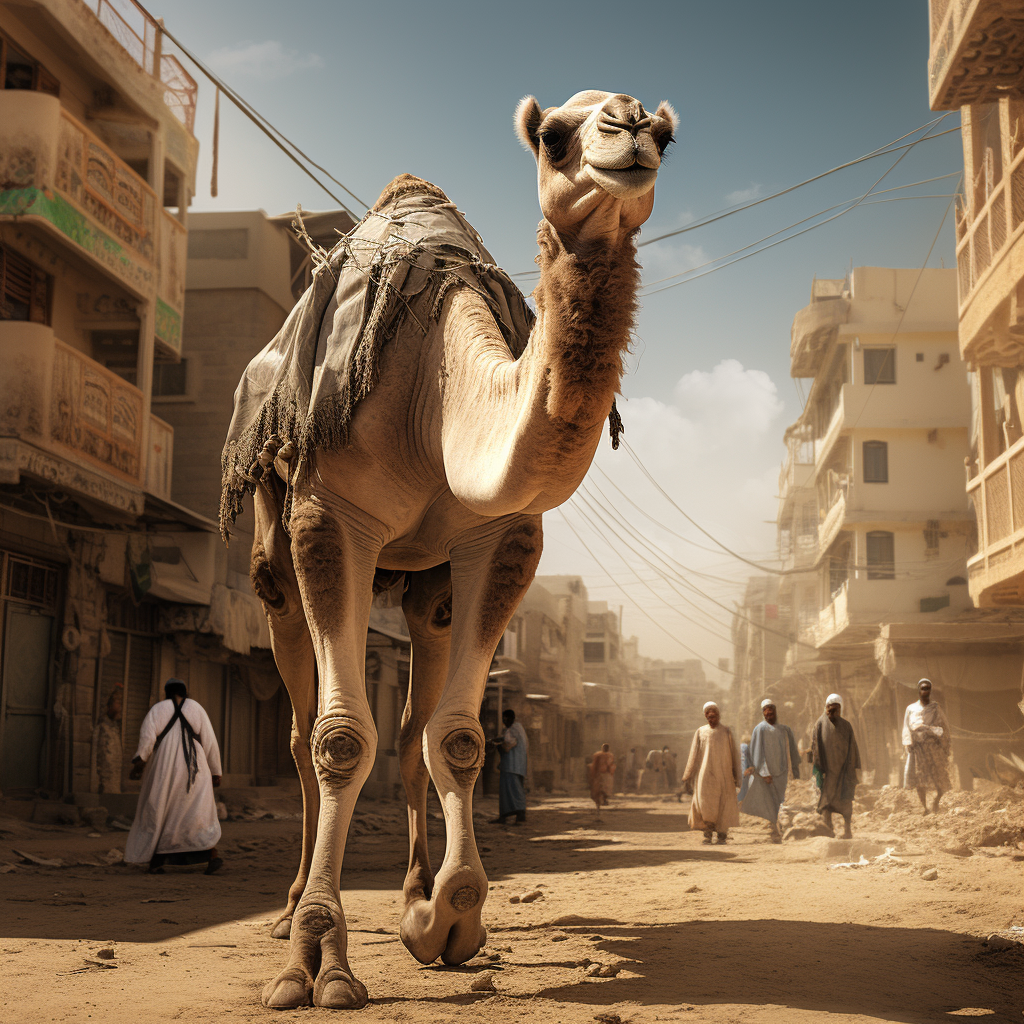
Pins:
<point x="714" y="765"/>
<point x="176" y="819"/>
<point x="926" y="740"/>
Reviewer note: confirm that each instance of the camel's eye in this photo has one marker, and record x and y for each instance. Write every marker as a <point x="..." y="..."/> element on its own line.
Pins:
<point x="554" y="142"/>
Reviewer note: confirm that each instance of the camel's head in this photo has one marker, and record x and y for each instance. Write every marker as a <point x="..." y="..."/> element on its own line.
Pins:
<point x="597" y="158"/>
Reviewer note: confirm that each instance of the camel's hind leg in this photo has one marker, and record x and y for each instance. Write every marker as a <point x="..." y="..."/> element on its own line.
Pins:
<point x="273" y="578"/>
<point x="335" y="549"/>
<point x="490" y="573"/>
<point x="428" y="610"/>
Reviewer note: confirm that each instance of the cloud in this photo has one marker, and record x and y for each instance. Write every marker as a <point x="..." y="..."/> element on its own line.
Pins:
<point x="743" y="195"/>
<point x="715" y="448"/>
<point x="268" y="60"/>
<point x="670" y="257"/>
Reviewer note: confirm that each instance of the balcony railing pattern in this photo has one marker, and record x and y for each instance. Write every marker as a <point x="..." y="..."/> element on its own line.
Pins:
<point x="171" y="281"/>
<point x="982" y="240"/>
<point x="105" y="187"/>
<point x="142" y="38"/>
<point x="998" y="493"/>
<point x="977" y="50"/>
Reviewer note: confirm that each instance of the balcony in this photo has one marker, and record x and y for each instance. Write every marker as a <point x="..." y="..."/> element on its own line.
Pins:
<point x="996" y="574"/>
<point x="976" y="53"/>
<point x="990" y="267"/>
<point x="814" y="327"/>
<point x="63" y="178"/>
<point x="141" y="36"/>
<point x="66" y="419"/>
<point x="834" y="519"/>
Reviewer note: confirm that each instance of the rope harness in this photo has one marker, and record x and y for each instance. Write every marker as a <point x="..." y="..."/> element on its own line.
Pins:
<point x="188" y="742"/>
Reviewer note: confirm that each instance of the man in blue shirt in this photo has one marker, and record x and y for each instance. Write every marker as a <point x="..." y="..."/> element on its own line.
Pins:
<point x="773" y="755"/>
<point x="514" y="748"/>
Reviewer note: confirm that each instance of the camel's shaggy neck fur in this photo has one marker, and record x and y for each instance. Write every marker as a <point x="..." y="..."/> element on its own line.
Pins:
<point x="586" y="300"/>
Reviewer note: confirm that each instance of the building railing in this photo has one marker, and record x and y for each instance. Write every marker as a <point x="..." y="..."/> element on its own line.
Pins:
<point x="998" y="495"/>
<point x="171" y="281"/>
<point x="971" y="54"/>
<point x="106" y="188"/>
<point x="995" y="228"/>
<point x="141" y="37"/>
<point x="58" y="399"/>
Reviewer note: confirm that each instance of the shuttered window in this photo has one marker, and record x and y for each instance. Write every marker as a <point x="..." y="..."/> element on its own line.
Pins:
<point x="881" y="555"/>
<point x="876" y="462"/>
<point x="24" y="289"/>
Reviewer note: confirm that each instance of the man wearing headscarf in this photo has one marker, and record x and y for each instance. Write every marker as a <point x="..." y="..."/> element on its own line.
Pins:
<point x="926" y="740"/>
<point x="176" y="820"/>
<point x="773" y="755"/>
<point x="836" y="760"/>
<point x="714" y="765"/>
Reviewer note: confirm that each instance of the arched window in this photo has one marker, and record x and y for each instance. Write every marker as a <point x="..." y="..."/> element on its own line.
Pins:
<point x="876" y="462"/>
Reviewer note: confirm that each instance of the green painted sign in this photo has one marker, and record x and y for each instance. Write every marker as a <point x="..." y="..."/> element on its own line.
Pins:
<point x="168" y="325"/>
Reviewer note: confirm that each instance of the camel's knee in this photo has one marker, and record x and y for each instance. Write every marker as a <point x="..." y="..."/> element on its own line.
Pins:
<point x="342" y="749"/>
<point x="266" y="582"/>
<point x="461" y="751"/>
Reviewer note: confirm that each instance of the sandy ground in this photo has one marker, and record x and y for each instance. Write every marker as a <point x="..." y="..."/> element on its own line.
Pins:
<point x="744" y="932"/>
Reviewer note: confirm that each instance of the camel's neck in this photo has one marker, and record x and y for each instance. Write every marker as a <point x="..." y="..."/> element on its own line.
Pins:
<point x="586" y="304"/>
<point x="520" y="435"/>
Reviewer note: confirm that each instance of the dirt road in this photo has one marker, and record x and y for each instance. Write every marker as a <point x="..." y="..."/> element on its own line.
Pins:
<point x="744" y="932"/>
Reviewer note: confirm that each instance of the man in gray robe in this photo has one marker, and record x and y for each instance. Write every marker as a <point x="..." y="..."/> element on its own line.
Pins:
<point x="836" y="761"/>
<point x="773" y="755"/>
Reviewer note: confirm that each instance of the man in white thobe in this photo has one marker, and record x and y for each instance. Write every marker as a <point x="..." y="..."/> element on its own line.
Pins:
<point x="176" y="820"/>
<point x="714" y="765"/>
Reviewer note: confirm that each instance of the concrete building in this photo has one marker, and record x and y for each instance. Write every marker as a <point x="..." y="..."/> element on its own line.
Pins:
<point x="762" y="630"/>
<point x="876" y="461"/>
<point x="976" y="65"/>
<point x="97" y="166"/>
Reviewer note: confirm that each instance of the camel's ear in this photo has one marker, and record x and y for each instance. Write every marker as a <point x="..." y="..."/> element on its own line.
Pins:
<point x="527" y="120"/>
<point x="668" y="112"/>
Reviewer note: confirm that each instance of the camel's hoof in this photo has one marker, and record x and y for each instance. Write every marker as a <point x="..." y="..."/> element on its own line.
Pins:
<point x="283" y="929"/>
<point x="336" y="990"/>
<point x="286" y="992"/>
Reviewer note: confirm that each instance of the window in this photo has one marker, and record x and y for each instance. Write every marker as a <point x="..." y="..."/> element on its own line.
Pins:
<point x="931" y="539"/>
<point x="593" y="650"/>
<point x="881" y="555"/>
<point x="19" y="71"/>
<point x="24" y="289"/>
<point x="880" y="366"/>
<point x="170" y="379"/>
<point x="876" y="462"/>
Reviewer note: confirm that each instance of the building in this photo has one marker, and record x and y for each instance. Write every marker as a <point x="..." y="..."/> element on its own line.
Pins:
<point x="98" y="166"/>
<point x="976" y="65"/>
<point x="876" y="461"/>
<point x="762" y="631"/>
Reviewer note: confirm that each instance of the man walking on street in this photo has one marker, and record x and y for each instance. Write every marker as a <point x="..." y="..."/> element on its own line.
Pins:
<point x="668" y="759"/>
<point x="773" y="755"/>
<point x="514" y="748"/>
<point x="601" y="772"/>
<point x="926" y="740"/>
<point x="714" y="765"/>
<point x="176" y="820"/>
<point x="836" y="760"/>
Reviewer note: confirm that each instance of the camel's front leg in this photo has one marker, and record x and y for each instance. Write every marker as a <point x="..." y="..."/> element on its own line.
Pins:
<point x="334" y="553"/>
<point x="428" y="611"/>
<point x="272" y="574"/>
<point x="491" y="570"/>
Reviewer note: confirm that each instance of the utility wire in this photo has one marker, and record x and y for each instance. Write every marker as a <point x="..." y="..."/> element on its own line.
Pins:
<point x="643" y="611"/>
<point x="274" y="134"/>
<point x="854" y="201"/>
<point x="882" y="151"/>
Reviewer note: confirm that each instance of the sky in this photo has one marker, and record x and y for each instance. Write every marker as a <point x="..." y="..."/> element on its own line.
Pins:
<point x="768" y="95"/>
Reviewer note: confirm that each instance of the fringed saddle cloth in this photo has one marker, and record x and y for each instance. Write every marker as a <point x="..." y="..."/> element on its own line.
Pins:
<point x="390" y="274"/>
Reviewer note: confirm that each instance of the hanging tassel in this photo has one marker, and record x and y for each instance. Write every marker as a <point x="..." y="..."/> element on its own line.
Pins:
<point x="216" y="143"/>
<point x="615" y="426"/>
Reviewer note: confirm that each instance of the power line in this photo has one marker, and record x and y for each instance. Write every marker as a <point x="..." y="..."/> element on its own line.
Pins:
<point x="274" y="134"/>
<point x="639" y="608"/>
<point x="846" y="202"/>
<point x="882" y="151"/>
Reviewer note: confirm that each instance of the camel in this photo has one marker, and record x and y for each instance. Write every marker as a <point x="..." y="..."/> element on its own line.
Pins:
<point x="446" y="464"/>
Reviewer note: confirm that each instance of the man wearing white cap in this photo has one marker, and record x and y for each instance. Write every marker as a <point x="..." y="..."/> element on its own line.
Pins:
<point x="773" y="755"/>
<point x="714" y="765"/>
<point x="836" y="760"/>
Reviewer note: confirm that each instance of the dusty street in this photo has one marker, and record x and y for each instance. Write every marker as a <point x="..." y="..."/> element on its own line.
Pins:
<point x="745" y="932"/>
